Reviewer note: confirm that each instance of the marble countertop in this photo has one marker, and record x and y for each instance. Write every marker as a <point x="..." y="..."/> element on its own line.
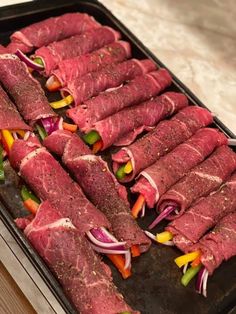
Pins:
<point x="197" y="42"/>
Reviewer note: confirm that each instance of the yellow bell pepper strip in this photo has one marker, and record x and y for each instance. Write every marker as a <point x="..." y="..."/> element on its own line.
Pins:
<point x="41" y="131"/>
<point x="2" y="176"/>
<point x="196" y="261"/>
<point x="164" y="236"/>
<point x="92" y="137"/>
<point x="119" y="262"/>
<point x="53" y="84"/>
<point x="186" y="258"/>
<point x="124" y="313"/>
<point x="97" y="146"/>
<point x="7" y="140"/>
<point x="62" y="103"/>
<point x="135" y="251"/>
<point x="128" y="167"/>
<point x="138" y="206"/>
<point x="69" y="127"/>
<point x="190" y="273"/>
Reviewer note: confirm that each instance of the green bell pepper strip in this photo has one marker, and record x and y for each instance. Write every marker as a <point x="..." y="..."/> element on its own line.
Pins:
<point x="92" y="137"/>
<point x="38" y="61"/>
<point x="120" y="173"/>
<point x="2" y="175"/>
<point x="41" y="131"/>
<point x="26" y="194"/>
<point x="190" y="273"/>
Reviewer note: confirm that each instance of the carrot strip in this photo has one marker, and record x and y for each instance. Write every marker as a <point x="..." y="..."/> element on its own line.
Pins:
<point x="31" y="205"/>
<point x="197" y="261"/>
<point x="138" y="206"/>
<point x="97" y="146"/>
<point x="135" y="251"/>
<point x="69" y="127"/>
<point x="119" y="262"/>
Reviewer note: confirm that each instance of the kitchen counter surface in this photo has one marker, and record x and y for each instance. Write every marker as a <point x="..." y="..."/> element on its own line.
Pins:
<point x="197" y="42"/>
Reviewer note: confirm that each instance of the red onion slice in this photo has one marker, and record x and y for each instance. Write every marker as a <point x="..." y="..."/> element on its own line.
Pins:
<point x="150" y="235"/>
<point x="113" y="245"/>
<point x="127" y="260"/>
<point x="204" y="284"/>
<point x="27" y="134"/>
<point x="199" y="281"/>
<point x="15" y="136"/>
<point x="107" y="251"/>
<point x="143" y="209"/>
<point x="30" y="63"/>
<point x="47" y="124"/>
<point x="168" y="210"/>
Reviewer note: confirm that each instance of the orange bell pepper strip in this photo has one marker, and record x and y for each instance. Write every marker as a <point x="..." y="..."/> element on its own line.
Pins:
<point x="97" y="146"/>
<point x="69" y="127"/>
<point x="135" y="251"/>
<point x="138" y="206"/>
<point x="197" y="261"/>
<point x="31" y="205"/>
<point x="119" y="262"/>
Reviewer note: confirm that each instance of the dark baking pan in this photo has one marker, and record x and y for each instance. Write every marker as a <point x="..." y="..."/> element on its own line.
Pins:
<point x="155" y="284"/>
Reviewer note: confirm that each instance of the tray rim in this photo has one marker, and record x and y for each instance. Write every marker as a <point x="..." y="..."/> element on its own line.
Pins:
<point x="28" y="8"/>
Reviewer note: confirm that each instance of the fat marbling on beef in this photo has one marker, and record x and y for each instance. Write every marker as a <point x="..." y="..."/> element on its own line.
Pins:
<point x="74" y="46"/>
<point x="73" y="68"/>
<point x="218" y="245"/>
<point x="166" y="136"/>
<point x="27" y="93"/>
<point x="155" y="180"/>
<point x="53" y="29"/>
<point x="99" y="185"/>
<point x="10" y="118"/>
<point x="104" y="105"/>
<point x="110" y="76"/>
<point x="199" y="181"/>
<point x="204" y="215"/>
<point x="84" y="277"/>
<point x="123" y="127"/>
<point x="51" y="182"/>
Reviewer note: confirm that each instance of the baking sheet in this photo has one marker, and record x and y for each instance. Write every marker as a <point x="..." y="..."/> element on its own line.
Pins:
<point x="155" y="284"/>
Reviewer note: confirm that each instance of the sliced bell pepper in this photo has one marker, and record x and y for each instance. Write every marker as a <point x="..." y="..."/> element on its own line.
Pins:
<point x="119" y="262"/>
<point x="53" y="84"/>
<point x="69" y="127"/>
<point x="97" y="146"/>
<point x="190" y="273"/>
<point x="128" y="167"/>
<point x="186" y="258"/>
<point x="164" y="236"/>
<point x="135" y="251"/>
<point x="2" y="175"/>
<point x="92" y="137"/>
<point x="31" y="205"/>
<point x="196" y="261"/>
<point x="120" y="173"/>
<point x="138" y="206"/>
<point x="26" y="194"/>
<point x="39" y="60"/>
<point x="62" y="103"/>
<point x="41" y="131"/>
<point x="7" y="140"/>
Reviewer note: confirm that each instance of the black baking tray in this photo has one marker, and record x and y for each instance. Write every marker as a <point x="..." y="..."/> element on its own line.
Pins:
<point x="155" y="284"/>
